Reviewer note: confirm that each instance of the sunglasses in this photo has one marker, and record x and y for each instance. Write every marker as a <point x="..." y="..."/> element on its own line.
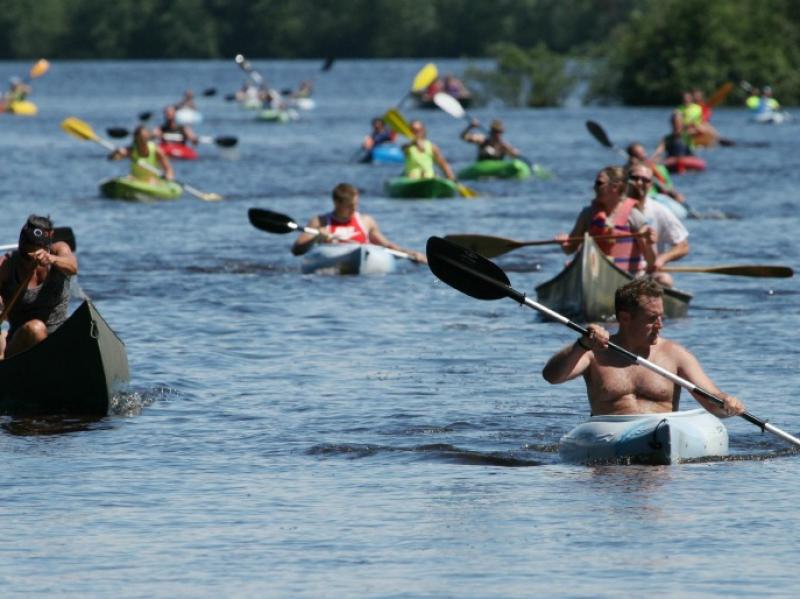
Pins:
<point x="639" y="179"/>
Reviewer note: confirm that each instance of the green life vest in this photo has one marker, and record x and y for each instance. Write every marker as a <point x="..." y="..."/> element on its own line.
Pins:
<point x="419" y="164"/>
<point x="138" y="171"/>
<point x="691" y="113"/>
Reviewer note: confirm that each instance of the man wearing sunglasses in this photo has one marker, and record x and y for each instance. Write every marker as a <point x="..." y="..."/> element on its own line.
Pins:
<point x="672" y="236"/>
<point x="34" y="284"/>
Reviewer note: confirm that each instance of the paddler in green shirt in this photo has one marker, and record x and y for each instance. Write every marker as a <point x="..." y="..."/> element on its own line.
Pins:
<point x="144" y="153"/>
<point x="421" y="153"/>
<point x="701" y="132"/>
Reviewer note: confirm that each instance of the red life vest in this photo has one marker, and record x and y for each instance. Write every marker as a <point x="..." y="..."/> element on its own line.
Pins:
<point x="352" y="230"/>
<point x="623" y="252"/>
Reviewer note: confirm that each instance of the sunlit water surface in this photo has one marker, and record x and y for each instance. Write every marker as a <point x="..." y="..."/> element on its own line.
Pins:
<point x="303" y="436"/>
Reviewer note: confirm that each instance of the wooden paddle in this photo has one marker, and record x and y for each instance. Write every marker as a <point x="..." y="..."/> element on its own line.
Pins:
<point x="740" y="270"/>
<point x="275" y="222"/>
<point x="64" y="234"/>
<point x="719" y="95"/>
<point x="474" y="275"/>
<point x="17" y="294"/>
<point x="396" y="121"/>
<point x="489" y="246"/>
<point x="82" y="130"/>
<point x="453" y="107"/>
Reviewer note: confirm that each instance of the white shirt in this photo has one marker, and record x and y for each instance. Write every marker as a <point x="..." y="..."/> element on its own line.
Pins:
<point x="668" y="227"/>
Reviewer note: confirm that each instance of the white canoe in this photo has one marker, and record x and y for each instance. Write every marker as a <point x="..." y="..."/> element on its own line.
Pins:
<point x="665" y="438"/>
<point x="349" y="259"/>
<point x="775" y="117"/>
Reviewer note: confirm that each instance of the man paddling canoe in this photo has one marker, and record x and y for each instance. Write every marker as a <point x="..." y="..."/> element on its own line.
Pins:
<point x="345" y="224"/>
<point x="40" y="271"/>
<point x="421" y="153"/>
<point x="144" y="150"/>
<point x="612" y="212"/>
<point x="613" y="384"/>
<point x="672" y="237"/>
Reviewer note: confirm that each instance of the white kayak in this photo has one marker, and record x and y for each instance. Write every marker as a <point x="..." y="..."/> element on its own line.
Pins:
<point x="665" y="438"/>
<point x="775" y="117"/>
<point x="349" y="259"/>
<point x="188" y="116"/>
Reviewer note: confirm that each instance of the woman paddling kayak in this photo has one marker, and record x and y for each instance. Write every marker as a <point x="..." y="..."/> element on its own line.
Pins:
<point x="143" y="150"/>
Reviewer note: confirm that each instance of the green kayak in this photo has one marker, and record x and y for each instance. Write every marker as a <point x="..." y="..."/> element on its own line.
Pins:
<point x="405" y="187"/>
<point x="130" y="188"/>
<point x="502" y="169"/>
<point x="270" y="115"/>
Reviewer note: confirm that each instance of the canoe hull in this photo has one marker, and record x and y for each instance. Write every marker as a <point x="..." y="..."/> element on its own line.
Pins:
<point x="348" y="259"/>
<point x="666" y="438"/>
<point x="137" y="190"/>
<point x="407" y="188"/>
<point x="500" y="169"/>
<point x="585" y="289"/>
<point x="76" y="370"/>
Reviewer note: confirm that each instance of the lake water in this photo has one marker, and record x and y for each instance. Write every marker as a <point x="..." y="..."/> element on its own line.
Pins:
<point x="307" y="436"/>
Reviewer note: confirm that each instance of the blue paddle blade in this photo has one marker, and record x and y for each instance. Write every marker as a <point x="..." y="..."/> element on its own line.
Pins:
<point x="468" y="272"/>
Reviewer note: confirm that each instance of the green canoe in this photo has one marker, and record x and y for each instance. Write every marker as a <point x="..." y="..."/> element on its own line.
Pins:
<point x="131" y="188"/>
<point x="405" y="187"/>
<point x="502" y="169"/>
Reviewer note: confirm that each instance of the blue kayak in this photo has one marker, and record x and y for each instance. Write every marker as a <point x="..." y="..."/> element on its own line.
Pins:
<point x="386" y="154"/>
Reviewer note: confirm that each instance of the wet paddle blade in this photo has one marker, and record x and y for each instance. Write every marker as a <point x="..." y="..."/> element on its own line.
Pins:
<point x="424" y="77"/>
<point x="145" y="116"/>
<point x="78" y="128"/>
<point x="326" y="66"/>
<point x="466" y="271"/>
<point x="449" y="104"/>
<point x="211" y="91"/>
<point x="226" y="141"/>
<point x="272" y="222"/>
<point x="487" y="246"/>
<point x="466" y="192"/>
<point x="599" y="133"/>
<point x="39" y="69"/>
<point x="66" y="235"/>
<point x="117" y="132"/>
<point x="398" y="123"/>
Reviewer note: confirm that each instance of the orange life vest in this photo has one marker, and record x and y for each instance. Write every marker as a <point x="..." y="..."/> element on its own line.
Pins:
<point x="623" y="252"/>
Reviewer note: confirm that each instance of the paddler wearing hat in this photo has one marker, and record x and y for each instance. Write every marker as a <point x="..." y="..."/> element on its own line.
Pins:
<point x="491" y="146"/>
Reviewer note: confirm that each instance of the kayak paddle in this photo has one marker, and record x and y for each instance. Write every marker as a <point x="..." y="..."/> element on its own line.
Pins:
<point x="275" y="222"/>
<point x="396" y="121"/>
<point x="740" y="270"/>
<point x="474" y="275"/>
<point x="719" y="95"/>
<point x="600" y="135"/>
<point x="453" y="107"/>
<point x="224" y="141"/>
<point x="489" y="246"/>
<point x="424" y="77"/>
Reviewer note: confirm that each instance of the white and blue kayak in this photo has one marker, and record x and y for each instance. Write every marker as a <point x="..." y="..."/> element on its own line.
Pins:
<point x="665" y="438"/>
<point x="771" y="117"/>
<point x="188" y="116"/>
<point x="349" y="259"/>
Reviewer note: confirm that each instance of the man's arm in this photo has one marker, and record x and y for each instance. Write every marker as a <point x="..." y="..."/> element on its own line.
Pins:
<point x="378" y="238"/>
<point x="574" y="359"/>
<point x="437" y="156"/>
<point x="306" y="240"/>
<point x="690" y="369"/>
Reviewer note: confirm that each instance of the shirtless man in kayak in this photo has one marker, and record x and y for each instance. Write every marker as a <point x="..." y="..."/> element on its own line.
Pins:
<point x="45" y="268"/>
<point x="492" y="146"/>
<point x="615" y="385"/>
<point x="345" y="224"/>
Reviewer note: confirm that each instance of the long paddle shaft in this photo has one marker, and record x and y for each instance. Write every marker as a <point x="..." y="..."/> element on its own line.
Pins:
<point x="202" y="195"/>
<point x="275" y="222"/>
<point x="489" y="246"/>
<point x="476" y="276"/>
<point x="453" y="107"/>
<point x="17" y="294"/>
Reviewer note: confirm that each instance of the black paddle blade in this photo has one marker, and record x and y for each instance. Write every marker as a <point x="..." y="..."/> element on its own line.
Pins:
<point x="145" y="116"/>
<point x="599" y="133"/>
<point x="66" y="235"/>
<point x="467" y="271"/>
<point x="226" y="141"/>
<point x="328" y="63"/>
<point x="117" y="132"/>
<point x="211" y="91"/>
<point x="267" y="220"/>
<point x="230" y="97"/>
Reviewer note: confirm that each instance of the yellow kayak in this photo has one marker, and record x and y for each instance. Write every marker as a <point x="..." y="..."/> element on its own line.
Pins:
<point x="22" y="107"/>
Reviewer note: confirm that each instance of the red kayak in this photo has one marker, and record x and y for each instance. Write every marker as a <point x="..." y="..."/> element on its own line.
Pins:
<point x="179" y="151"/>
<point x="681" y="164"/>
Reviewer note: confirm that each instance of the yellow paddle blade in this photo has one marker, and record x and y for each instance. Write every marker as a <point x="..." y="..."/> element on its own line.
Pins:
<point x="719" y="96"/>
<point x="78" y="128"/>
<point x="425" y="77"/>
<point x="396" y="122"/>
<point x="466" y="192"/>
<point x="39" y="69"/>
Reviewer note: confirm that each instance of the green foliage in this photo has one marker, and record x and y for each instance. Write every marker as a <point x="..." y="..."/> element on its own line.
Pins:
<point x="673" y="45"/>
<point x="533" y="77"/>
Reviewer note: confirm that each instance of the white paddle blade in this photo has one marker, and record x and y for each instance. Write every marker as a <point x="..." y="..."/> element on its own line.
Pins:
<point x="449" y="104"/>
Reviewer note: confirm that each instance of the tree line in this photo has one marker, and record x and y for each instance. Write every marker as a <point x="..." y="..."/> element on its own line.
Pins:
<point x="640" y="51"/>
